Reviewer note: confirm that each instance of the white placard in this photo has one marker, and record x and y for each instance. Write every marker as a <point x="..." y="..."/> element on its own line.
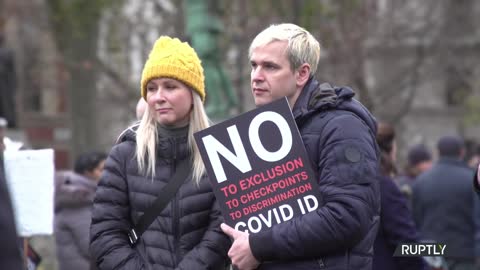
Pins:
<point x="30" y="178"/>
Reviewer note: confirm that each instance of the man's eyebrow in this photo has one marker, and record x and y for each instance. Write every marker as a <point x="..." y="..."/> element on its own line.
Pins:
<point x="263" y="62"/>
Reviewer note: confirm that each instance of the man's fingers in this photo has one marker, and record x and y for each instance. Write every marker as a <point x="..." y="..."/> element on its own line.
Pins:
<point x="228" y="230"/>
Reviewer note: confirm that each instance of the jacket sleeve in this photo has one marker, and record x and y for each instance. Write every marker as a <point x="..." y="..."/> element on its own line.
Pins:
<point x="80" y="230"/>
<point x="109" y="243"/>
<point x="397" y="224"/>
<point x="348" y="172"/>
<point x="211" y="252"/>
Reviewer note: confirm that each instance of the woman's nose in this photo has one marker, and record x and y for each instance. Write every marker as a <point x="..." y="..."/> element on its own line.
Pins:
<point x="159" y="95"/>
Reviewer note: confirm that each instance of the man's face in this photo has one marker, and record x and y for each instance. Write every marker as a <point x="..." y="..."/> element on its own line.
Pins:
<point x="424" y="166"/>
<point x="272" y="77"/>
<point x="96" y="173"/>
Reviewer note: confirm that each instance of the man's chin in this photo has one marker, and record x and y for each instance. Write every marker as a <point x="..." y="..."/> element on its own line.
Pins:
<point x="260" y="102"/>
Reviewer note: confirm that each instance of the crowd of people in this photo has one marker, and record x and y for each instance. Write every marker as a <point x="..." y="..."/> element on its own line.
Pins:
<point x="369" y="206"/>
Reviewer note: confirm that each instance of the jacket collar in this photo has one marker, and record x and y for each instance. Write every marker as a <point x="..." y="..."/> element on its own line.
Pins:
<point x="172" y="142"/>
<point x="452" y="161"/>
<point x="315" y="96"/>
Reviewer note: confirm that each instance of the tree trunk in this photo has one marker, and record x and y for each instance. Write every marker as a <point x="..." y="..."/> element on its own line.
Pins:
<point x="76" y="25"/>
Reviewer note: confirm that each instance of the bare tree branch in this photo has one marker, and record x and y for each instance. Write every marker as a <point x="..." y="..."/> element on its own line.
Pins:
<point x="129" y="90"/>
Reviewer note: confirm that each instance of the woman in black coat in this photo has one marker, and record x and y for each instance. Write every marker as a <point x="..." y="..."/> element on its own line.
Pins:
<point x="396" y="223"/>
<point x="186" y="234"/>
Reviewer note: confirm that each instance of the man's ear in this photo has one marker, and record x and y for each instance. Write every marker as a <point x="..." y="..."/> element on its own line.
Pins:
<point x="303" y="74"/>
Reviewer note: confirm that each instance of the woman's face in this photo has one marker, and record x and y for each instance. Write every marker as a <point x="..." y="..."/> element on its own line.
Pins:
<point x="170" y="101"/>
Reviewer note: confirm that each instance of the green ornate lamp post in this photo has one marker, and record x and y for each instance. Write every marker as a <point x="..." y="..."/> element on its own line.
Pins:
<point x="204" y="29"/>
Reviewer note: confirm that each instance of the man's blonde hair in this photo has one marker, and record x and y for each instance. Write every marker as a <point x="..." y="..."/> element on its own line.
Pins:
<point x="302" y="46"/>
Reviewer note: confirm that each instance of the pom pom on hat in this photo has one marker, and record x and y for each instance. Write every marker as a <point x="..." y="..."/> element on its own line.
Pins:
<point x="172" y="58"/>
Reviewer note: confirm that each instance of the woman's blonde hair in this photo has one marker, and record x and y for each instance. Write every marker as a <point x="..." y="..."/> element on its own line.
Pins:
<point x="147" y="135"/>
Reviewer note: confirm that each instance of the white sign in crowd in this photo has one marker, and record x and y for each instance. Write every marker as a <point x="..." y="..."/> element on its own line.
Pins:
<point x="30" y="178"/>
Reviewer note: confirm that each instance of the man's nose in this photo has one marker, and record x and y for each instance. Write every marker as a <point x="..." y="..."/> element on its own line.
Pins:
<point x="257" y="74"/>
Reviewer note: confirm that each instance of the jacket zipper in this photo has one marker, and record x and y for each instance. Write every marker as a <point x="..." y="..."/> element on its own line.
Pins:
<point x="175" y="210"/>
<point x="176" y="230"/>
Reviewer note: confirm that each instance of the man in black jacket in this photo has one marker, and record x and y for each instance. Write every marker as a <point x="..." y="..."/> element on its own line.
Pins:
<point x="443" y="204"/>
<point x="339" y="136"/>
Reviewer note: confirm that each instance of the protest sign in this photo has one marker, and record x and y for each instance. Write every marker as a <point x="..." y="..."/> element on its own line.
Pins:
<point x="259" y="168"/>
<point x="30" y="179"/>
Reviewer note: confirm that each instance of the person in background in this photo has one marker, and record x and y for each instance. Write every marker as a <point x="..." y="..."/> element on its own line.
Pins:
<point x="396" y="223"/>
<point x="443" y="204"/>
<point x="419" y="160"/>
<point x="74" y="193"/>
<point x="8" y="80"/>
<point x="5" y="142"/>
<point x="33" y="259"/>
<point x="10" y="251"/>
<point x="140" y="108"/>
<point x="186" y="233"/>
<point x="139" y="112"/>
<point x="339" y="136"/>
<point x="472" y="153"/>
<point x="90" y="164"/>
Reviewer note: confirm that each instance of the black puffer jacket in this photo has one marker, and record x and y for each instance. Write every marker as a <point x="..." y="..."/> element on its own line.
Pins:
<point x="339" y="135"/>
<point x="186" y="235"/>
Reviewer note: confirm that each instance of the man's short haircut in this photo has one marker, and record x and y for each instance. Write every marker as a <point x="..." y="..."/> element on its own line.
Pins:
<point x="450" y="146"/>
<point x="302" y="46"/>
<point x="88" y="161"/>
<point x="417" y="154"/>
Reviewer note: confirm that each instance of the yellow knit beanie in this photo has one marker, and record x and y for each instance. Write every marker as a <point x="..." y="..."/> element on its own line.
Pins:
<point x="174" y="59"/>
